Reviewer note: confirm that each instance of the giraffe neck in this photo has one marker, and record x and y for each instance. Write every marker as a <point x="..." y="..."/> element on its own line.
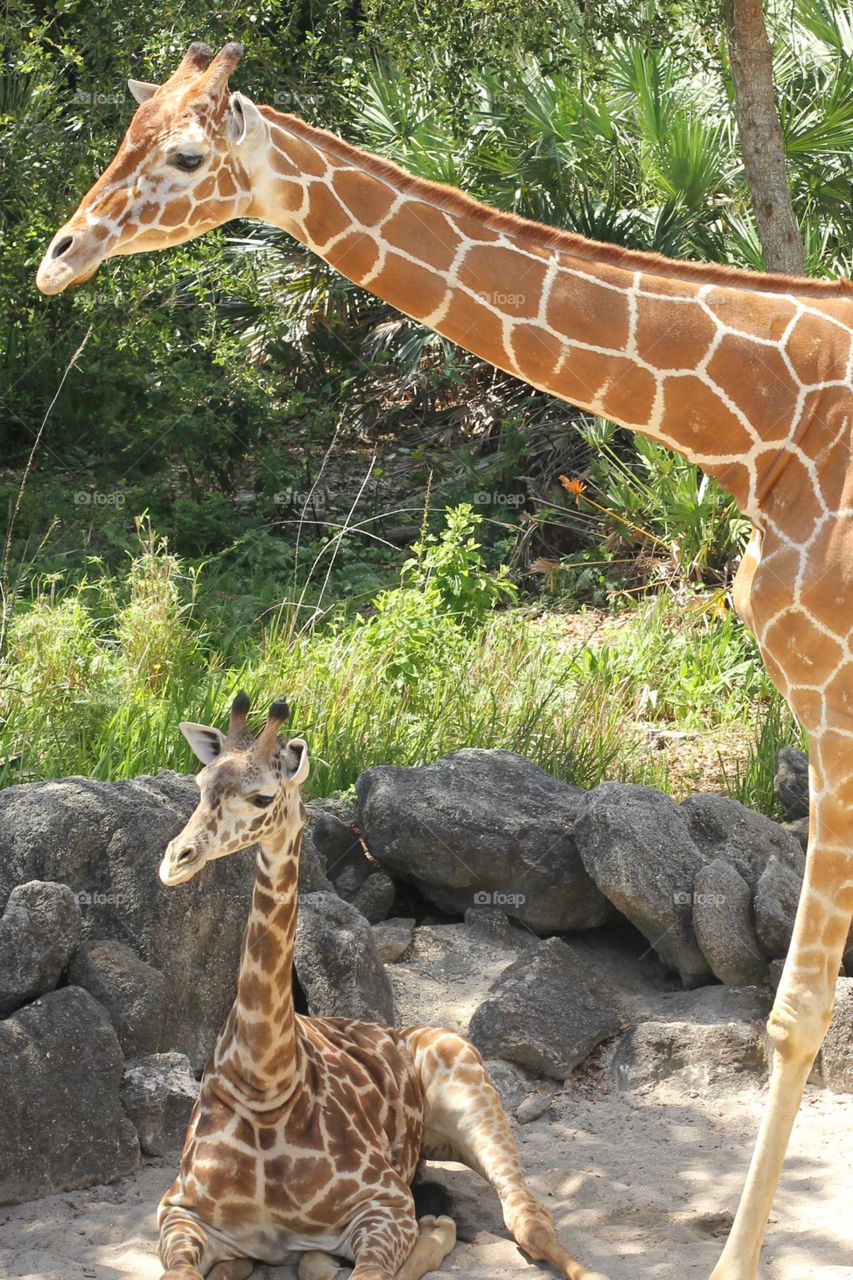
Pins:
<point x="259" y="1050"/>
<point x="672" y="350"/>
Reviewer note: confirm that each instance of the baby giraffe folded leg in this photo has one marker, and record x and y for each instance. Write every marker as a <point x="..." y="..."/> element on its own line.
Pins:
<point x="436" y="1239"/>
<point x="317" y="1265"/>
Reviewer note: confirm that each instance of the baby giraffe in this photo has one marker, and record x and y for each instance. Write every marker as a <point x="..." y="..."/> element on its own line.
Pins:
<point x="307" y="1131"/>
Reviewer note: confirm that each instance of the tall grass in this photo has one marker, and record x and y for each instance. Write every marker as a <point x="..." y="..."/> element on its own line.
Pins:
<point x="97" y="673"/>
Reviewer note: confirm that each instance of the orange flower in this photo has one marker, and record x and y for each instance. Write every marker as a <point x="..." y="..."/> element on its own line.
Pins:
<point x="575" y="485"/>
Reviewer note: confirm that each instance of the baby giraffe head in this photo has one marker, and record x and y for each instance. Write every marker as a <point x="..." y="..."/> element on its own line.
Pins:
<point x="249" y="790"/>
<point x="180" y="170"/>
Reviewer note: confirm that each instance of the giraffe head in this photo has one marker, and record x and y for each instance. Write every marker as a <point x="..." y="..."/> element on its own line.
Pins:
<point x="249" y="790"/>
<point x="180" y="170"/>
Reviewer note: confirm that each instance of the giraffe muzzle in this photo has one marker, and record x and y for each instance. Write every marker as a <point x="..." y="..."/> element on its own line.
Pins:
<point x="180" y="863"/>
<point x="72" y="258"/>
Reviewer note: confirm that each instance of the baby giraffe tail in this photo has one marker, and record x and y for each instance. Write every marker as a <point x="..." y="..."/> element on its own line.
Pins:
<point x="464" y="1120"/>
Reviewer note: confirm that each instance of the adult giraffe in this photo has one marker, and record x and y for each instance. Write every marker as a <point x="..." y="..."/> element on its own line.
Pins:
<point x="749" y="375"/>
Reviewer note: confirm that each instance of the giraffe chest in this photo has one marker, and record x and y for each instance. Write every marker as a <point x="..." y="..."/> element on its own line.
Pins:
<point x="269" y="1184"/>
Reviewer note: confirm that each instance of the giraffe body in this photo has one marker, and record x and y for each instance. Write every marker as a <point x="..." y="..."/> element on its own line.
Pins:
<point x="307" y="1132"/>
<point x="749" y="375"/>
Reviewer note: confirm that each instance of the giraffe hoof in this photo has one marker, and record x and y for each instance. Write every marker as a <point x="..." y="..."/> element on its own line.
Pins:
<point x="440" y="1232"/>
<point x="316" y="1265"/>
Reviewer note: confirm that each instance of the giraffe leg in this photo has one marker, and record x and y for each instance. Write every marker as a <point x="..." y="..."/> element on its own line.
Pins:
<point x="436" y="1239"/>
<point x="384" y="1235"/>
<point x="803" y="1005"/>
<point x="187" y="1252"/>
<point x="464" y="1120"/>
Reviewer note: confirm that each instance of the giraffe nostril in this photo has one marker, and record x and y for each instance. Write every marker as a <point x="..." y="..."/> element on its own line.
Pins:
<point x="185" y="855"/>
<point x="62" y="246"/>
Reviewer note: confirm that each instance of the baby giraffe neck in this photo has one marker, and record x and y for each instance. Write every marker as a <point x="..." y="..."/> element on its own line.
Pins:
<point x="259" y="1049"/>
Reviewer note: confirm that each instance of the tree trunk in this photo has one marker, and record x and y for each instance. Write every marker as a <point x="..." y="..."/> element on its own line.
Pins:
<point x="751" y="60"/>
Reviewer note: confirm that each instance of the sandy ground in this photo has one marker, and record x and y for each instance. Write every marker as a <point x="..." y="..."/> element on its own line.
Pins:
<point x="641" y="1184"/>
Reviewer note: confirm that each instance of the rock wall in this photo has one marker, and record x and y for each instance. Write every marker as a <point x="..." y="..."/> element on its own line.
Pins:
<point x="113" y="987"/>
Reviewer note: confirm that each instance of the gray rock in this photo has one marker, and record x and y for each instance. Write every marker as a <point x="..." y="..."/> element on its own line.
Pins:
<point x="701" y="1053"/>
<point x="393" y="939"/>
<point x="312" y="868"/>
<point x="39" y="932"/>
<point x="546" y="1012"/>
<point x="158" y="1093"/>
<point x="799" y="829"/>
<point x="338" y="845"/>
<point x="374" y="898"/>
<point x="492" y="923"/>
<point x="532" y="1107"/>
<point x="724" y="925"/>
<point x="636" y="845"/>
<point x="791" y="783"/>
<point x="105" y="841"/>
<point x="337" y="963"/>
<point x="445" y="974"/>
<point x="511" y="1082"/>
<point x="482" y="823"/>
<point x="717" y="1004"/>
<point x="776" y="899"/>
<point x="132" y="992"/>
<point x="61" y="1122"/>
<point x="723" y="828"/>
<point x="835" y="1063"/>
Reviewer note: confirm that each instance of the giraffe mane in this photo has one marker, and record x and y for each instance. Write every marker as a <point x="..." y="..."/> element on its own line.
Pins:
<point x="454" y="201"/>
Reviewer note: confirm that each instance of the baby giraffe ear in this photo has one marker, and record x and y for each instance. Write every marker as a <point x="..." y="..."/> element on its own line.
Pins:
<point x="142" y="90"/>
<point x="205" y="741"/>
<point x="295" y="760"/>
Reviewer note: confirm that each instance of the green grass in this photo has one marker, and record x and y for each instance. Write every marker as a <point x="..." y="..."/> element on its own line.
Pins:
<point x="95" y="675"/>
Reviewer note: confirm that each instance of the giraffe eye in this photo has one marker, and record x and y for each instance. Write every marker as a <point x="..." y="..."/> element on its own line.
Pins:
<point x="261" y="802"/>
<point x="183" y="160"/>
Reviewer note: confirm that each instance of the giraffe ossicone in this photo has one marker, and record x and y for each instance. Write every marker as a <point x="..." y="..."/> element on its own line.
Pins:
<point x="307" y="1132"/>
<point x="750" y="375"/>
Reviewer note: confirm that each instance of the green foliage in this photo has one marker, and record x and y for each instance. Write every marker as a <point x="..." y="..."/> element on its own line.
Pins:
<point x="656" y="500"/>
<point x="449" y="569"/>
<point x="97" y="674"/>
<point x="752" y="781"/>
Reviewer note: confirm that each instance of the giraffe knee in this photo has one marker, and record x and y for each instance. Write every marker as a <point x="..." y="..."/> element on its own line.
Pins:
<point x="798" y="1023"/>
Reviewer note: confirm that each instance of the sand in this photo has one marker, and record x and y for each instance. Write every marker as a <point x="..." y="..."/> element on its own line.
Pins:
<point x="640" y="1186"/>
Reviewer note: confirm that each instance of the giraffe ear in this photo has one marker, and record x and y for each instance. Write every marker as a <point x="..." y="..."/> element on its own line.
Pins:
<point x="206" y="742"/>
<point x="295" y="760"/>
<point x="245" y="121"/>
<point x="141" y="90"/>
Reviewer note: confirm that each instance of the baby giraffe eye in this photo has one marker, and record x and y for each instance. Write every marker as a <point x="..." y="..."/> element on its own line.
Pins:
<point x="183" y="160"/>
<point x="261" y="802"/>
